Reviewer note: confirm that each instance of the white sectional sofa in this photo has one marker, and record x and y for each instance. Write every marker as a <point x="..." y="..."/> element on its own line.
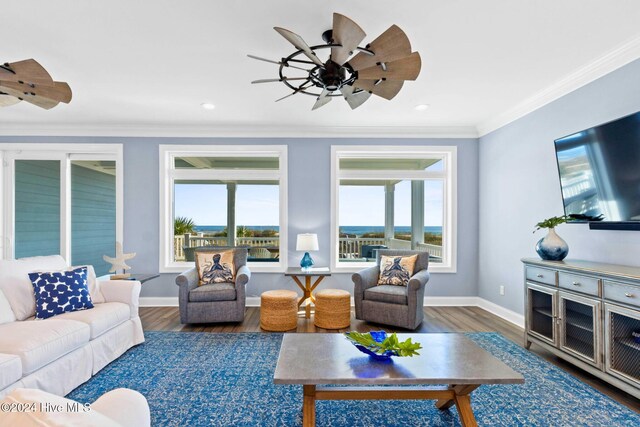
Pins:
<point x="60" y="353"/>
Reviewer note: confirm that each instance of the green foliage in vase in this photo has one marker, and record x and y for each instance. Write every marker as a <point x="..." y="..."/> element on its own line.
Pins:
<point x="405" y="348"/>
<point x="552" y="222"/>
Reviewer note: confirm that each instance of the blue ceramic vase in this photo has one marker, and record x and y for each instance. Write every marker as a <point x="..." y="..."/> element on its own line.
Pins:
<point x="551" y="247"/>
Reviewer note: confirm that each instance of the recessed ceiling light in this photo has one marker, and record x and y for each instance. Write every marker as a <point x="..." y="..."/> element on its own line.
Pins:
<point x="207" y="106"/>
<point x="421" y="107"/>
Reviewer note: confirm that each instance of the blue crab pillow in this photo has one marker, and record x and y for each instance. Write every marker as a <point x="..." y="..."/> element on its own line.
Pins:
<point x="60" y="292"/>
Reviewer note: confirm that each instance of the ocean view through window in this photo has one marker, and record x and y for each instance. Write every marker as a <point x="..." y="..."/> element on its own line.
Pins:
<point x="220" y="197"/>
<point x="393" y="198"/>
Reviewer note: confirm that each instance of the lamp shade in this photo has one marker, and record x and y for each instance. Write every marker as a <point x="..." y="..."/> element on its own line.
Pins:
<point x="307" y="242"/>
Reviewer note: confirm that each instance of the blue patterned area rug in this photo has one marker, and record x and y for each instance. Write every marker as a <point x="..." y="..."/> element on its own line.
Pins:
<point x="209" y="379"/>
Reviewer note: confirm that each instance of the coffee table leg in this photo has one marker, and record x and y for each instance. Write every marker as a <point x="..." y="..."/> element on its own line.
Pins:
<point x="309" y="406"/>
<point x="462" y="400"/>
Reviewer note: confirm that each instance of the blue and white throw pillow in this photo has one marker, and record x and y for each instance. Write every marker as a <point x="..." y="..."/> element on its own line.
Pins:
<point x="60" y="292"/>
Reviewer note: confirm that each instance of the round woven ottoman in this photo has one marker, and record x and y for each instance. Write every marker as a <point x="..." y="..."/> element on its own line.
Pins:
<point x="333" y="309"/>
<point x="279" y="310"/>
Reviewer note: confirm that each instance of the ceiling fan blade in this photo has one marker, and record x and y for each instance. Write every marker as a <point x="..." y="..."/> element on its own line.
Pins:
<point x="402" y="69"/>
<point x="279" y="80"/>
<point x="386" y="89"/>
<point x="263" y="59"/>
<point x="40" y="101"/>
<point x="298" y="42"/>
<point x="6" y="100"/>
<point x="354" y="99"/>
<point x="277" y="62"/>
<point x="323" y="99"/>
<point x="60" y="91"/>
<point x="303" y="86"/>
<point x="391" y="45"/>
<point x="29" y="71"/>
<point x="348" y="34"/>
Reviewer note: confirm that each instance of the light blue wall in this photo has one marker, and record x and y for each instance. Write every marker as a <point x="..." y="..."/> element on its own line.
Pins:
<point x="309" y="167"/>
<point x="519" y="186"/>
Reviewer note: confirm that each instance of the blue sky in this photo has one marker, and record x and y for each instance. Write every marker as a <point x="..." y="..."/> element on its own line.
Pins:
<point x="206" y="204"/>
<point x="364" y="205"/>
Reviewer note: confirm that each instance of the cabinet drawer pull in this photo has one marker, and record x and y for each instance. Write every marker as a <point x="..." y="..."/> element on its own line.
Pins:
<point x="576" y="283"/>
<point x="539" y="275"/>
<point x="628" y="295"/>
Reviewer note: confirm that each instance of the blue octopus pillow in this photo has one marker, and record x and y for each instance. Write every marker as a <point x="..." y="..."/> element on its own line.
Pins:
<point x="396" y="270"/>
<point x="60" y="292"/>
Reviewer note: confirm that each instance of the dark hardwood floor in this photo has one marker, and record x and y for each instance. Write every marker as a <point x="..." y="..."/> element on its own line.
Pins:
<point x="437" y="319"/>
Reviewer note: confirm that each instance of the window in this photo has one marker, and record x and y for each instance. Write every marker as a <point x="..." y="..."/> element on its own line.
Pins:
<point x="396" y="198"/>
<point x="223" y="196"/>
<point x="62" y="199"/>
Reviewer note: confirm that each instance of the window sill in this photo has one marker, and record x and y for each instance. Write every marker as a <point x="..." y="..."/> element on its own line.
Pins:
<point x="254" y="267"/>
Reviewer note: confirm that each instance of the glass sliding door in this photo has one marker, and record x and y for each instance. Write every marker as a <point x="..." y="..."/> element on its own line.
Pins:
<point x="37" y="208"/>
<point x="93" y="212"/>
<point x="61" y="199"/>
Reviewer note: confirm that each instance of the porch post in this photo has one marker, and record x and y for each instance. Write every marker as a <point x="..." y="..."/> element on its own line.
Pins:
<point x="417" y="213"/>
<point x="231" y="214"/>
<point x="389" y="193"/>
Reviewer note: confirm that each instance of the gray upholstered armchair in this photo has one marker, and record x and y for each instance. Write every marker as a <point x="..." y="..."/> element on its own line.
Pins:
<point x="390" y="304"/>
<point x="218" y="302"/>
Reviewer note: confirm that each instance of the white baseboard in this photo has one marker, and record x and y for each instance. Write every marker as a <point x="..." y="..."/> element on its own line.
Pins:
<point x="451" y="301"/>
<point x="506" y="314"/>
<point x="158" y="301"/>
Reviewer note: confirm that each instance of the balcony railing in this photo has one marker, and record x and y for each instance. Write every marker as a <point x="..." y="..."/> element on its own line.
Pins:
<point x="348" y="247"/>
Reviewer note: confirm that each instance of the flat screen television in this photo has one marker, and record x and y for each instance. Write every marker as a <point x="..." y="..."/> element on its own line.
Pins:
<point x="600" y="174"/>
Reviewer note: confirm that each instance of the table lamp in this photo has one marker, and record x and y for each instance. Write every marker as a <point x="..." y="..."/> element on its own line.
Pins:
<point x="307" y="242"/>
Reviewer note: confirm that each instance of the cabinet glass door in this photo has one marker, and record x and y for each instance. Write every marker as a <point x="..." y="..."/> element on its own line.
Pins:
<point x="542" y="313"/>
<point x="623" y="343"/>
<point x="579" y="327"/>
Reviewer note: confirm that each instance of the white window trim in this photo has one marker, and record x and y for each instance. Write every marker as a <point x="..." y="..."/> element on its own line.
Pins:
<point x="449" y="154"/>
<point x="10" y="152"/>
<point x="168" y="174"/>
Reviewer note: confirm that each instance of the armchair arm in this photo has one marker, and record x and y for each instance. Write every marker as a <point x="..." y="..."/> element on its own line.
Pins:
<point x="125" y="291"/>
<point x="186" y="282"/>
<point x="243" y="275"/>
<point x="418" y="281"/>
<point x="125" y="406"/>
<point x="365" y="279"/>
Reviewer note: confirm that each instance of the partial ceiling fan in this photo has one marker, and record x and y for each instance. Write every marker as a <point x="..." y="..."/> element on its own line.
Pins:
<point x="379" y="68"/>
<point x="28" y="81"/>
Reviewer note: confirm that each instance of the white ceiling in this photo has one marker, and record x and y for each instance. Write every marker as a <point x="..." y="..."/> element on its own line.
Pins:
<point x="144" y="67"/>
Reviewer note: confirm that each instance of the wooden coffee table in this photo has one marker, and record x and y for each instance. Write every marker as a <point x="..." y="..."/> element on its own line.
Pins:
<point x="314" y="360"/>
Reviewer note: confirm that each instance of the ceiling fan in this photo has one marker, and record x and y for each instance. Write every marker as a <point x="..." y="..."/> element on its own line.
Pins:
<point x="379" y="68"/>
<point x="28" y="81"/>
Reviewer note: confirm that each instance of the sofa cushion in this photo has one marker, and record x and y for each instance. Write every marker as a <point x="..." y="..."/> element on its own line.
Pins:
<point x="15" y="283"/>
<point x="101" y="318"/>
<point x="213" y="292"/>
<point x="10" y="369"/>
<point x="387" y="293"/>
<point x="40" y="342"/>
<point x="396" y="270"/>
<point x="58" y="292"/>
<point x="6" y="314"/>
<point x="72" y="413"/>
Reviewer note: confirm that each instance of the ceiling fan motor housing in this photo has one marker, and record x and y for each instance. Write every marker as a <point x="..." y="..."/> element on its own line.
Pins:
<point x="332" y="76"/>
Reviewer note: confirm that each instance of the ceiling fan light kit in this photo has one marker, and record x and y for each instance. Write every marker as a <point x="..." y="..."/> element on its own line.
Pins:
<point x="28" y="81"/>
<point x="379" y="68"/>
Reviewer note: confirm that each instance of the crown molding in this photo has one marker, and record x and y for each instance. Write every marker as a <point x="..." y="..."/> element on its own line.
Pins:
<point x="185" y="131"/>
<point x="624" y="54"/>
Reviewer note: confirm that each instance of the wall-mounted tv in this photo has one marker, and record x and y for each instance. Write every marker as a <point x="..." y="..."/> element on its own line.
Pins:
<point x="600" y="174"/>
